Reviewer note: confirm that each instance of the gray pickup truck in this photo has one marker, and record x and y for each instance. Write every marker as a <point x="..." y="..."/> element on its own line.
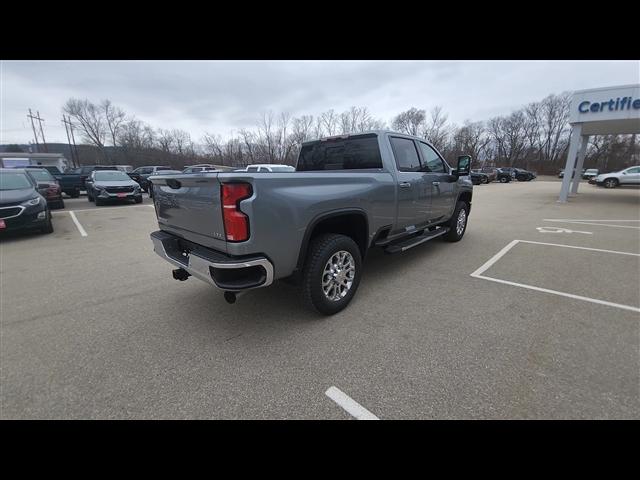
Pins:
<point x="243" y="230"/>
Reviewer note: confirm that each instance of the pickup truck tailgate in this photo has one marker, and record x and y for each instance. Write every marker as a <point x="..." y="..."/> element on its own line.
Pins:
<point x="190" y="206"/>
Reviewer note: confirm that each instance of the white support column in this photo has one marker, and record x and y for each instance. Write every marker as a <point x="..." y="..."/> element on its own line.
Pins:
<point x="579" y="164"/>
<point x="576" y="133"/>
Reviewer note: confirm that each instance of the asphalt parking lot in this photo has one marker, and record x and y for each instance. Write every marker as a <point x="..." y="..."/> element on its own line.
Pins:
<point x="93" y="325"/>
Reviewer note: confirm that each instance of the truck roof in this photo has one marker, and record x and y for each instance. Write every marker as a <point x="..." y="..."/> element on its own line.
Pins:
<point x="368" y="132"/>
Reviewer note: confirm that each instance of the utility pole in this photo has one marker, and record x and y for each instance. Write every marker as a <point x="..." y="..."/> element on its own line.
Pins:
<point x="40" y="120"/>
<point x="35" y="134"/>
<point x="73" y="139"/>
<point x="66" y="129"/>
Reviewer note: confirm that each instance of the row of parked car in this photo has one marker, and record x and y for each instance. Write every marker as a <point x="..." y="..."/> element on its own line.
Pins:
<point x="626" y="176"/>
<point x="502" y="175"/>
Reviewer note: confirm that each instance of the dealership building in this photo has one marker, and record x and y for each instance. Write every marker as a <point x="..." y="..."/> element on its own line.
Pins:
<point x="600" y="111"/>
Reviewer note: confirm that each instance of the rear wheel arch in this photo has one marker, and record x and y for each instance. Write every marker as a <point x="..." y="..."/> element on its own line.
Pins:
<point x="352" y="223"/>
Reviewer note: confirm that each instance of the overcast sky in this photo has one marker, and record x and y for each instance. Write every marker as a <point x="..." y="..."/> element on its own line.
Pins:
<point x="223" y="96"/>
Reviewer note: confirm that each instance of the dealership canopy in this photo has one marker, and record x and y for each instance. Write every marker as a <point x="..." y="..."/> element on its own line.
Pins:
<point x="601" y="111"/>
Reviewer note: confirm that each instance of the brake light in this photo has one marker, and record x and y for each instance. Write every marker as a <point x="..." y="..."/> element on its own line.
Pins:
<point x="236" y="223"/>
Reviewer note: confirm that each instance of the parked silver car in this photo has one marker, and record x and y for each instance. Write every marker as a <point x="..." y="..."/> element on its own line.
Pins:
<point x="111" y="185"/>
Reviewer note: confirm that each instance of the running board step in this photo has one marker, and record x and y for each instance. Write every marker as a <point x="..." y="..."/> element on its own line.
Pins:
<point x="415" y="241"/>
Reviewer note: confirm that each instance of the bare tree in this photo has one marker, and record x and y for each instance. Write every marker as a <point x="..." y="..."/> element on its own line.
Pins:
<point x="329" y="122"/>
<point x="435" y="129"/>
<point x="90" y="119"/>
<point x="411" y="122"/>
<point x="114" y="118"/>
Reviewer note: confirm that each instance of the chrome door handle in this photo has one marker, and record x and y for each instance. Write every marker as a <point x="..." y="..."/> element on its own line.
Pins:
<point x="435" y="183"/>
<point x="404" y="185"/>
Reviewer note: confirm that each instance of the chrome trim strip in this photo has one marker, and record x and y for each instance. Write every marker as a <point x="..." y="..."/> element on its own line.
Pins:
<point x="199" y="266"/>
<point x="13" y="216"/>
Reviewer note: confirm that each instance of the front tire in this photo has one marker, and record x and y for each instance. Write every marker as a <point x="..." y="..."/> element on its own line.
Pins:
<point x="503" y="180"/>
<point x="458" y="223"/>
<point x="331" y="274"/>
<point x="48" y="228"/>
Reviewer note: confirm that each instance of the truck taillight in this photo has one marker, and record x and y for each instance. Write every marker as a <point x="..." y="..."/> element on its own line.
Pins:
<point x="236" y="223"/>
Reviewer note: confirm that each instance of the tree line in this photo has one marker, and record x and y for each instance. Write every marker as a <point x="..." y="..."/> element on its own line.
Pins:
<point x="534" y="137"/>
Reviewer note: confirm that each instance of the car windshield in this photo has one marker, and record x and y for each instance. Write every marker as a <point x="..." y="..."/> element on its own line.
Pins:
<point x="14" y="181"/>
<point x="111" y="175"/>
<point x="41" y="175"/>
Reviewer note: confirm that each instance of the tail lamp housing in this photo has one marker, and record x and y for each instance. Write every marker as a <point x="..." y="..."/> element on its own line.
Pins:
<point x="236" y="223"/>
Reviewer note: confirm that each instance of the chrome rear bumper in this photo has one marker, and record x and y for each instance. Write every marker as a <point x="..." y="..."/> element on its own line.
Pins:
<point x="204" y="268"/>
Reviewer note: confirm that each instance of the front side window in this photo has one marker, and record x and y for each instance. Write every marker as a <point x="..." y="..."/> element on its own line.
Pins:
<point x="431" y="159"/>
<point x="406" y="154"/>
<point x="634" y="170"/>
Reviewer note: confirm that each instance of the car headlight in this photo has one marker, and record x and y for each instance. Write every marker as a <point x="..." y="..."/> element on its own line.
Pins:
<point x="32" y="202"/>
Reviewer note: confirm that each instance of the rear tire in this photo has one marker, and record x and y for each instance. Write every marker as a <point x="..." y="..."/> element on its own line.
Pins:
<point x="75" y="194"/>
<point x="503" y="180"/>
<point x="324" y="253"/>
<point x="458" y="223"/>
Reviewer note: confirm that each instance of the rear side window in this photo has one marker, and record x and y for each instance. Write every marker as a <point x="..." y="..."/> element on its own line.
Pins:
<point x="353" y="153"/>
<point x="406" y="154"/>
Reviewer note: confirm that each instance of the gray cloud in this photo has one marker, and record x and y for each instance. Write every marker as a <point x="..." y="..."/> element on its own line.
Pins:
<point x="224" y="96"/>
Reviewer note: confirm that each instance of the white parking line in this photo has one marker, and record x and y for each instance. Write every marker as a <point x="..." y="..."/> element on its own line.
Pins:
<point x="510" y="245"/>
<point x="75" y="220"/>
<point x="584" y="220"/>
<point x="349" y="404"/>
<point x="591" y="222"/>
<point x="105" y="209"/>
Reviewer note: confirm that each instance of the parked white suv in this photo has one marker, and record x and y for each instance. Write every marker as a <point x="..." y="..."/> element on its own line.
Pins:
<point x="628" y="176"/>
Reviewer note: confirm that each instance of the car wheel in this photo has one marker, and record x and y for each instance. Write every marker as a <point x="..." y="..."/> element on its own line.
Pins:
<point x="331" y="273"/>
<point x="99" y="202"/>
<point x="48" y="228"/>
<point x="60" y="203"/>
<point x="610" y="183"/>
<point x="138" y="200"/>
<point x="76" y="194"/>
<point x="484" y="180"/>
<point x="458" y="223"/>
<point x="503" y="180"/>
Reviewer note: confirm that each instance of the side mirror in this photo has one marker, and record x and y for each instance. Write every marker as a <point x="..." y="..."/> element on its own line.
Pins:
<point x="43" y="185"/>
<point x="464" y="165"/>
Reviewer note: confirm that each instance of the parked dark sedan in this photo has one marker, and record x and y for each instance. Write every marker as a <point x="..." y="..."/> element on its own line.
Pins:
<point x="141" y="174"/>
<point x="21" y="205"/>
<point x="504" y="175"/>
<point x="478" y="177"/>
<point x="163" y="172"/>
<point x="48" y="187"/>
<point x="524" y="175"/>
<point x="104" y="186"/>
